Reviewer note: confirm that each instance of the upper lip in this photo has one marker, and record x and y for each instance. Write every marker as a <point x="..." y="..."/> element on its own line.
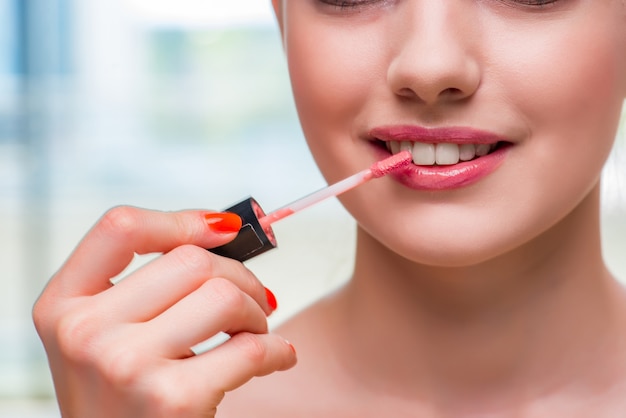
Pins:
<point x="454" y="134"/>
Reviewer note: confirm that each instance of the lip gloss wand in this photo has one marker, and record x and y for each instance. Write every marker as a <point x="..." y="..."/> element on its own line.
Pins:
<point x="256" y="235"/>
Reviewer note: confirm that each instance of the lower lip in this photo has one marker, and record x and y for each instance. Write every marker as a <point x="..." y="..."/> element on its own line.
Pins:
<point x="448" y="177"/>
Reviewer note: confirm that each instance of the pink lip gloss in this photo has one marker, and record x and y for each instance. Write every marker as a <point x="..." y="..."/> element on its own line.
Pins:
<point x="256" y="236"/>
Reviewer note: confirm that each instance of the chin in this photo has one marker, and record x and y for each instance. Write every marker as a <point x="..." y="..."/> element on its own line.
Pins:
<point x="448" y="255"/>
<point x="446" y="249"/>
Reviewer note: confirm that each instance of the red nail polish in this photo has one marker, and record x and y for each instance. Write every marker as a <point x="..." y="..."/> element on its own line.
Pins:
<point x="292" y="347"/>
<point x="271" y="299"/>
<point x="223" y="222"/>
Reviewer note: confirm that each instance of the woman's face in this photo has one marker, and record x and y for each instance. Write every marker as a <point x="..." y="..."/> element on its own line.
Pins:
<point x="536" y="85"/>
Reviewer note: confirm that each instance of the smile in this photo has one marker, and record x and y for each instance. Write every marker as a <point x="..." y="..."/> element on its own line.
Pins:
<point x="444" y="153"/>
<point x="443" y="158"/>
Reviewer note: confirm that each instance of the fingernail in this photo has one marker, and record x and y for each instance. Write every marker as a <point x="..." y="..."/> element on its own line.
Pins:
<point x="223" y="222"/>
<point x="291" y="346"/>
<point x="271" y="299"/>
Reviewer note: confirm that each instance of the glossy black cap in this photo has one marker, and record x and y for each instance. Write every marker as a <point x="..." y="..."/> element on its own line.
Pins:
<point x="252" y="240"/>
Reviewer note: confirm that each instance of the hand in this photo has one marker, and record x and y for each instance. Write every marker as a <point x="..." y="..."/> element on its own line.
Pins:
<point x="124" y="350"/>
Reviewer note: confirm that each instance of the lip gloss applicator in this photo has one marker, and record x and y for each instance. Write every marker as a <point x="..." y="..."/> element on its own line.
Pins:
<point x="256" y="236"/>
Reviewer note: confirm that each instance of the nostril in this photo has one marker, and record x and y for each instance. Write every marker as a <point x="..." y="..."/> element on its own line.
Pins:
<point x="406" y="92"/>
<point x="451" y="92"/>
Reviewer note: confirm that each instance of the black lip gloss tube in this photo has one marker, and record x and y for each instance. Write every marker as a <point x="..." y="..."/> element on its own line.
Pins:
<point x="252" y="239"/>
<point x="256" y="235"/>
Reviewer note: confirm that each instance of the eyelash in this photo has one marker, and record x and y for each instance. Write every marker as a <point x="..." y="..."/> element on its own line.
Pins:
<point x="354" y="4"/>
<point x="349" y="4"/>
<point x="533" y="3"/>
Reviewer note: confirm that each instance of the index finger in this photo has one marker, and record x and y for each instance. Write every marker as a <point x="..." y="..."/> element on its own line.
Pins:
<point x="124" y="231"/>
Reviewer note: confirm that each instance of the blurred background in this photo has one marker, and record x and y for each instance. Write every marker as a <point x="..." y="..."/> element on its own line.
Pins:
<point x="166" y="105"/>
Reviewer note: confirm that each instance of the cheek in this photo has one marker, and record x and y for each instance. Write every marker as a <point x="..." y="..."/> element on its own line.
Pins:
<point x="328" y="66"/>
<point x="331" y="74"/>
<point x="571" y="98"/>
<point x="567" y="89"/>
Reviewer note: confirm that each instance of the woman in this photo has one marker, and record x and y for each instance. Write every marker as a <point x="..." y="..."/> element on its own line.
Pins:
<point x="479" y="287"/>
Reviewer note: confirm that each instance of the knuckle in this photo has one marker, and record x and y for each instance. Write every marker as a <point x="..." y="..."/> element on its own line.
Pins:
<point x="120" y="221"/>
<point x="250" y="281"/>
<point x="173" y="399"/>
<point x="122" y="367"/>
<point x="46" y="310"/>
<point x="76" y="336"/>
<point x="252" y="348"/>
<point x="193" y="258"/>
<point x="226" y="296"/>
<point x="41" y="319"/>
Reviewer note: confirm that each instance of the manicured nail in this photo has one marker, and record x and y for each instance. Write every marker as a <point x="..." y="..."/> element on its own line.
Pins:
<point x="223" y="222"/>
<point x="271" y="299"/>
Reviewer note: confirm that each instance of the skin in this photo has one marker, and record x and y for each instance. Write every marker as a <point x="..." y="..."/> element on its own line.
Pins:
<point x="120" y="351"/>
<point x="496" y="303"/>
<point x="472" y="314"/>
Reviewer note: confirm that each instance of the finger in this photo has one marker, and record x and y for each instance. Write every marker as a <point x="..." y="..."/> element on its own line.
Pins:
<point x="160" y="284"/>
<point x="217" y="306"/>
<point x="235" y="362"/>
<point x="123" y="231"/>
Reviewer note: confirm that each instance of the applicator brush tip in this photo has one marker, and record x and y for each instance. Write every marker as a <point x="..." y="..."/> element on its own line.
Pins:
<point x="386" y="166"/>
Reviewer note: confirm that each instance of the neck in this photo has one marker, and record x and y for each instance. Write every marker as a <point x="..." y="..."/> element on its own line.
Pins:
<point x="522" y="321"/>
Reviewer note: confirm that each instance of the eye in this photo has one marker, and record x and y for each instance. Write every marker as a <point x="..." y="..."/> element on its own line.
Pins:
<point x="532" y="3"/>
<point x="350" y="4"/>
<point x="536" y="2"/>
<point x="341" y="4"/>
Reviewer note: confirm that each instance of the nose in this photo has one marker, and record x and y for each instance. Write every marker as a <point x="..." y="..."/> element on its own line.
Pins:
<point x="434" y="51"/>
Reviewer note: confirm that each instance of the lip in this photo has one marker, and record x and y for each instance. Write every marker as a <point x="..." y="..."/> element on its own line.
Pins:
<point x="449" y="177"/>
<point x="456" y="135"/>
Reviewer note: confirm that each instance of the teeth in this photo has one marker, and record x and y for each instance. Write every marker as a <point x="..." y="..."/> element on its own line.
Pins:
<point x="424" y="154"/>
<point x="482" y="149"/>
<point x="447" y="154"/>
<point x="467" y="152"/>
<point x="440" y="154"/>
<point x="406" y="145"/>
